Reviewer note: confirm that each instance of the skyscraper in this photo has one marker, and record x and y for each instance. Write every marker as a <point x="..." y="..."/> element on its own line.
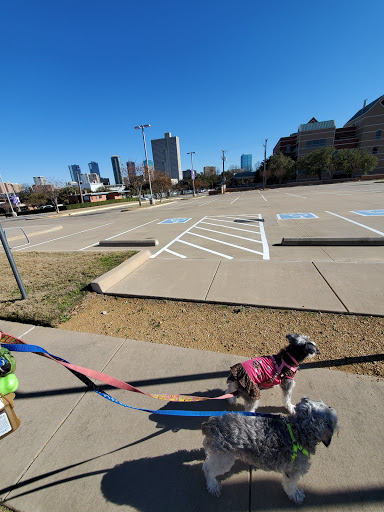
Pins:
<point x="94" y="168"/>
<point x="117" y="169"/>
<point x="74" y="170"/>
<point x="40" y="180"/>
<point x="166" y="156"/>
<point x="246" y="162"/>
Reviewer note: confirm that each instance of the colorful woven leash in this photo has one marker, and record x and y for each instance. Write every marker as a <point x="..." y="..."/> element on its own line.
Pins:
<point x="17" y="345"/>
<point x="14" y="344"/>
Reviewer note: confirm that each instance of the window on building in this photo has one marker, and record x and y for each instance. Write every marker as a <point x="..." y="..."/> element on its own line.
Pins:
<point x="378" y="134"/>
<point x="374" y="151"/>
<point x="288" y="148"/>
<point x="316" y="143"/>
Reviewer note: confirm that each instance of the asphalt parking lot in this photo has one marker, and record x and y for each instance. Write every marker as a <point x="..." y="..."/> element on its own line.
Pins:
<point x="235" y="226"/>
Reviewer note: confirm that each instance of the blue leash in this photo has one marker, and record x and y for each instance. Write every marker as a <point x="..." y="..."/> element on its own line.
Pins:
<point x="177" y="412"/>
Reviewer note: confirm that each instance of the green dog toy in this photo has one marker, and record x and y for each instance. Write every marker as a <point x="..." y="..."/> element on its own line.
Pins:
<point x="8" y="380"/>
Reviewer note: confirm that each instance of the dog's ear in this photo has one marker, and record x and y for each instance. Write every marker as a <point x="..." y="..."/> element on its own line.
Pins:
<point x="295" y="339"/>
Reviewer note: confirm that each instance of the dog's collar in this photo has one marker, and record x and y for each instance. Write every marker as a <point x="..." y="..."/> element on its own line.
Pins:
<point x="296" y="445"/>
<point x="284" y="363"/>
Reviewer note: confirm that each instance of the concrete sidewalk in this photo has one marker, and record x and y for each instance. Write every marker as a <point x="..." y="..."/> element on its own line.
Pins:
<point x="318" y="286"/>
<point x="77" y="451"/>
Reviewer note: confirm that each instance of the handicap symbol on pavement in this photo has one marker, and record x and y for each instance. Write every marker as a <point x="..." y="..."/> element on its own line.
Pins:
<point x="181" y="220"/>
<point x="369" y="213"/>
<point x="308" y="215"/>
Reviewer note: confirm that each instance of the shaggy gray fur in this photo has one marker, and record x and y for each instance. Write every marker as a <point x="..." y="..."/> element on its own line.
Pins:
<point x="266" y="444"/>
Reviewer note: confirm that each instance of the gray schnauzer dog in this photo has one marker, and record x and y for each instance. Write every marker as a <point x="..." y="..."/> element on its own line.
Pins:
<point x="246" y="379"/>
<point x="276" y="444"/>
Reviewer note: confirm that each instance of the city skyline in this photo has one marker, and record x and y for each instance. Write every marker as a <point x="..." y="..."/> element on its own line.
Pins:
<point x="50" y="121"/>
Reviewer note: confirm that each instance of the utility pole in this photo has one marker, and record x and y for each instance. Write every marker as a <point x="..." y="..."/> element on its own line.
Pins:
<point x="78" y="182"/>
<point x="265" y="164"/>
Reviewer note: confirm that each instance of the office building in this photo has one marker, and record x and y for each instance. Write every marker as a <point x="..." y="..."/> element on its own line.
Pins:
<point x="368" y="124"/>
<point x="150" y="164"/>
<point x="117" y="169"/>
<point x="364" y="130"/>
<point x="74" y="171"/>
<point x="209" y="170"/>
<point x="94" y="168"/>
<point x="131" y="166"/>
<point x="40" y="180"/>
<point x="246" y="162"/>
<point x="10" y="188"/>
<point x="166" y="156"/>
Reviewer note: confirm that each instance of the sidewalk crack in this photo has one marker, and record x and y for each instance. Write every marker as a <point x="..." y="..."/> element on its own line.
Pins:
<point x="213" y="278"/>
<point x="333" y="290"/>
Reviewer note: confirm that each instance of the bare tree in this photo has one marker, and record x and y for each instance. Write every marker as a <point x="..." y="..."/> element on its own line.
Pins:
<point x="136" y="175"/>
<point x="161" y="183"/>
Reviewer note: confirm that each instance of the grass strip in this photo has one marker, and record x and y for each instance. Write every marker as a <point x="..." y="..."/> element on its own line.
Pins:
<point x="55" y="283"/>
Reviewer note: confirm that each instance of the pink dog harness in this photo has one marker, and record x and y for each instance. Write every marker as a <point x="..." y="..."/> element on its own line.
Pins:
<point x="268" y="374"/>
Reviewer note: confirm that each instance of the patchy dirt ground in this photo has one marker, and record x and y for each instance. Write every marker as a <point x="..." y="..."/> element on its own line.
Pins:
<point x="245" y="331"/>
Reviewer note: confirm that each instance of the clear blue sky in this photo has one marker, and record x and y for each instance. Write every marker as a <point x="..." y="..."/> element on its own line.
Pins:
<point x="78" y="75"/>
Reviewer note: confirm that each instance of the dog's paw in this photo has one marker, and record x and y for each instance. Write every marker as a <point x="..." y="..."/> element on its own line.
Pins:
<point x="214" y="487"/>
<point x="297" y="496"/>
<point x="291" y="408"/>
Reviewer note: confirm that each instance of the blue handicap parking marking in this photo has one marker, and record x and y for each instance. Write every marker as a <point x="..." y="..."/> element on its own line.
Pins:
<point x="181" y="220"/>
<point x="297" y="216"/>
<point x="369" y="213"/>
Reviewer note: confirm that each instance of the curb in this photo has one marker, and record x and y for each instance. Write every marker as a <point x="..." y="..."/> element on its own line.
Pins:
<point x="109" y="279"/>
<point x="147" y="242"/>
<point x="333" y="241"/>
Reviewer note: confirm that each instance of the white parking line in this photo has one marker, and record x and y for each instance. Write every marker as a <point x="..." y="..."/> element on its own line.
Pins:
<point x="358" y="223"/>
<point x="65" y="236"/>
<point x="229" y="234"/>
<point x="205" y="249"/>
<point x="229" y="221"/>
<point x="288" y="194"/>
<point x="264" y="240"/>
<point x="175" y="240"/>
<point x="122" y="233"/>
<point x="263" y="197"/>
<point x="230" y="227"/>
<point x="234" y="200"/>
<point x="227" y="243"/>
<point x="175" y="253"/>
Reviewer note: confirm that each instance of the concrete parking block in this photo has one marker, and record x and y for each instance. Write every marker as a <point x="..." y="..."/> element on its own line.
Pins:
<point x="174" y="279"/>
<point x="360" y="286"/>
<point x="296" y="285"/>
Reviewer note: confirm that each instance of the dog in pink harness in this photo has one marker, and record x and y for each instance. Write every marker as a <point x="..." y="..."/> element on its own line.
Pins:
<point x="248" y="378"/>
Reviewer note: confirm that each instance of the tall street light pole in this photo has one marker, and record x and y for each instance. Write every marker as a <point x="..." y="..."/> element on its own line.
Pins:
<point x="224" y="159"/>
<point x="142" y="126"/>
<point x="265" y="164"/>
<point x="192" y="172"/>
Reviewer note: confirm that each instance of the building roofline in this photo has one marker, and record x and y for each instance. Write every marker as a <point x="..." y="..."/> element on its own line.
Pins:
<point x="365" y="109"/>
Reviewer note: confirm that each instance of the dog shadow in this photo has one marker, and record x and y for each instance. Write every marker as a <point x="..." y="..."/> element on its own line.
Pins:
<point x="176" y="423"/>
<point x="170" y="482"/>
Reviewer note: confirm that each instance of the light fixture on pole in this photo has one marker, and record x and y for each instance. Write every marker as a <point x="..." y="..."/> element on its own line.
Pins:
<point x="192" y="172"/>
<point x="142" y="126"/>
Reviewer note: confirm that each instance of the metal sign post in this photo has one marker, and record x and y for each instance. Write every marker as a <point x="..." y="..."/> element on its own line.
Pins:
<point x="8" y="252"/>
